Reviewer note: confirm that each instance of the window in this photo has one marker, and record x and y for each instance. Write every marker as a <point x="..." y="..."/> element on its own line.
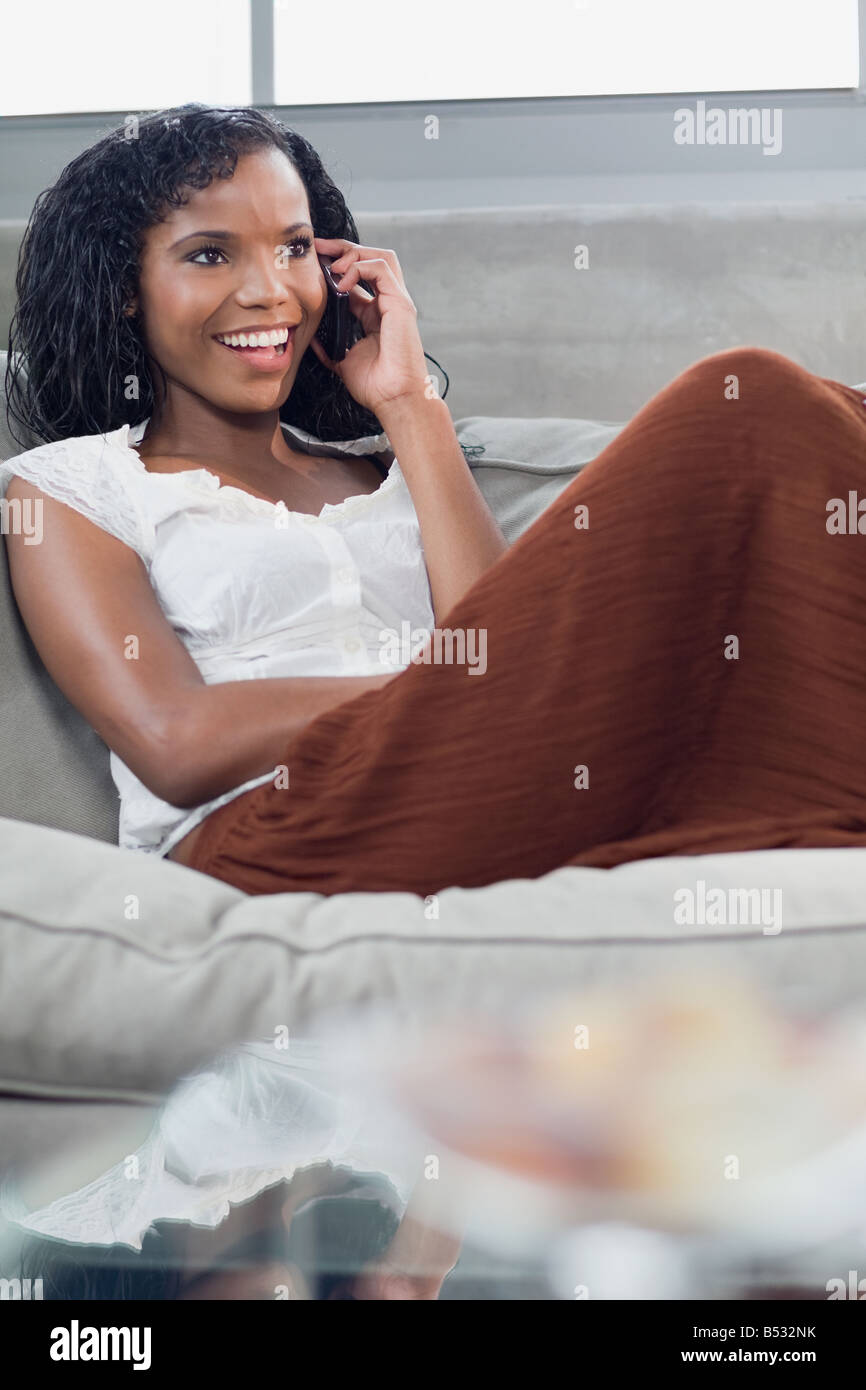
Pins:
<point x="77" y="56"/>
<point x="480" y="48"/>
<point x="98" y="55"/>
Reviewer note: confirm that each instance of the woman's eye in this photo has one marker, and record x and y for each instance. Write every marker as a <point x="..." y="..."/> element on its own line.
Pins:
<point x="302" y="242"/>
<point x="203" y="252"/>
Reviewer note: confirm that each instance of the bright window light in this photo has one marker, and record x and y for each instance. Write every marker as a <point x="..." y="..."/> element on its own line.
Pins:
<point x="98" y="55"/>
<point x="75" y="56"/>
<point x="463" y="49"/>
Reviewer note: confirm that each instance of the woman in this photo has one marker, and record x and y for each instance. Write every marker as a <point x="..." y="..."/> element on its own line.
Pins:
<point x="673" y="650"/>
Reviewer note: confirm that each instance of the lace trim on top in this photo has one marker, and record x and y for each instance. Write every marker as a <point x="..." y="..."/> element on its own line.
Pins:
<point x="76" y="473"/>
<point x="240" y="501"/>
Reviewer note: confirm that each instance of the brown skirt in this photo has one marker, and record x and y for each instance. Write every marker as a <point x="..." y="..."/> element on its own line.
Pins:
<point x="675" y="664"/>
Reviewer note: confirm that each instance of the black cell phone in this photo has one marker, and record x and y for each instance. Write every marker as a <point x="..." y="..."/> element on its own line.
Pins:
<point x="333" y="331"/>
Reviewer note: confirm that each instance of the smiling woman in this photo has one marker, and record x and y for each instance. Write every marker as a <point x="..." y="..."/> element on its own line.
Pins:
<point x="209" y="210"/>
<point x="249" y="549"/>
<point x="229" y="313"/>
<point x="264" y="345"/>
<point x="229" y="650"/>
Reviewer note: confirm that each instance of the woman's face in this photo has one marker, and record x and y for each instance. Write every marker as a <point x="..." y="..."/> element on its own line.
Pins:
<point x="261" y="271"/>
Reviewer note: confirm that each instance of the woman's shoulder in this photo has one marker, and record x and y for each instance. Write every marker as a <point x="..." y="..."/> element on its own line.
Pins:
<point x="79" y="451"/>
<point x="92" y="473"/>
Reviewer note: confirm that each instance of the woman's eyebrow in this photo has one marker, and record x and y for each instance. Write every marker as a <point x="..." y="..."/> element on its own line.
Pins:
<point x="232" y="236"/>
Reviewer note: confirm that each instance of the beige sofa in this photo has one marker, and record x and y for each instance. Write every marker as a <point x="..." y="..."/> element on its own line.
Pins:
<point x="100" y="1014"/>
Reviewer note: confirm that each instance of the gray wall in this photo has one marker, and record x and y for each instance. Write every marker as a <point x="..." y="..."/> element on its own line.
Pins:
<point x="519" y="153"/>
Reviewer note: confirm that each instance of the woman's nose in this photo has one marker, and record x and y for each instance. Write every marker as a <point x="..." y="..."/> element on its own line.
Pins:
<point x="268" y="280"/>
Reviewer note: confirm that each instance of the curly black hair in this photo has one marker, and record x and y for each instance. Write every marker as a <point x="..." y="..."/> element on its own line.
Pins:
<point x="72" y="350"/>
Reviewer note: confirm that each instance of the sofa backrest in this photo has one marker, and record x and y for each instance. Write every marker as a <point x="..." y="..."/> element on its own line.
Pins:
<point x="55" y="768"/>
<point x="525" y="323"/>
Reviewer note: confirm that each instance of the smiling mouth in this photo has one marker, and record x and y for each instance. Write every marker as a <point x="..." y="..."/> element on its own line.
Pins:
<point x="268" y="355"/>
<point x="270" y="349"/>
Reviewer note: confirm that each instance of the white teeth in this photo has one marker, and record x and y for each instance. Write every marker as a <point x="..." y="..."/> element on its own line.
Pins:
<point x="272" y="339"/>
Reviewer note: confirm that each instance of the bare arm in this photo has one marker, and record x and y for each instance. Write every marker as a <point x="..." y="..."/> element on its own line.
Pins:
<point x="261" y="715"/>
<point x="460" y="535"/>
<point x="95" y="621"/>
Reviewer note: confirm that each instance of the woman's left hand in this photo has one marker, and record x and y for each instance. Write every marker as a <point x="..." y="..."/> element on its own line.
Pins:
<point x="388" y="363"/>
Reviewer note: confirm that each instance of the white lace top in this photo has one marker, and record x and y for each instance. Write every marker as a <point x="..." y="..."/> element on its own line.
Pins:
<point x="252" y="589"/>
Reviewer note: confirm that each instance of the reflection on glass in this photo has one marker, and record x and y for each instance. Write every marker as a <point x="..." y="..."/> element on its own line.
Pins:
<point x="680" y="1137"/>
<point x="258" y="1180"/>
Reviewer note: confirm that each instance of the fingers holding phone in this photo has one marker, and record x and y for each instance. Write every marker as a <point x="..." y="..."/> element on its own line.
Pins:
<point x="388" y="362"/>
<point x="333" y="329"/>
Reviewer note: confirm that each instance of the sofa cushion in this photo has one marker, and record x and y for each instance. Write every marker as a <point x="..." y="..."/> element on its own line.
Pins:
<point x="123" y="972"/>
<point x="56" y="769"/>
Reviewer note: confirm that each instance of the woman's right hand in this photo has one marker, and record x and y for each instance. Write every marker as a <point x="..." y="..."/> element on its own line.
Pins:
<point x="388" y="363"/>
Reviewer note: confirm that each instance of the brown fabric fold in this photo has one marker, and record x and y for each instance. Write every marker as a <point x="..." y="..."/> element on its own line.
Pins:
<point x="698" y="647"/>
